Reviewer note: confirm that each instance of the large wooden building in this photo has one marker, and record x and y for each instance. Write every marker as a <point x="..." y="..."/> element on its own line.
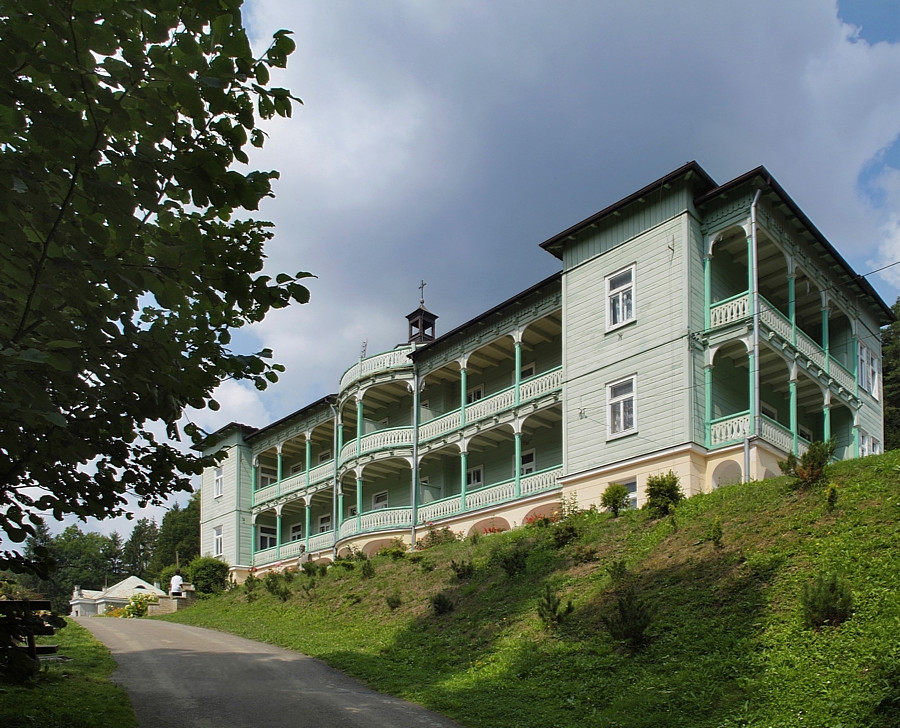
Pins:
<point x="701" y="328"/>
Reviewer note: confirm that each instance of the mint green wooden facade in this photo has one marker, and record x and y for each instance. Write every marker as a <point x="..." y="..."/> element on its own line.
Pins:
<point x="704" y="328"/>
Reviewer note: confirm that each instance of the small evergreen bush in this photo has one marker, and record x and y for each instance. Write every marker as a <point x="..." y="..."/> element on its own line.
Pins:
<point x="250" y="585"/>
<point x="513" y="560"/>
<point x="618" y="572"/>
<point x="393" y="601"/>
<point x="831" y="497"/>
<point x="615" y="498"/>
<point x="662" y="491"/>
<point x="564" y="533"/>
<point x="810" y="467"/>
<point x="827" y="600"/>
<point x="630" y="618"/>
<point x="436" y="537"/>
<point x="549" y="608"/>
<point x="309" y="568"/>
<point x="463" y="570"/>
<point x="715" y="533"/>
<point x="276" y="585"/>
<point x="368" y="569"/>
<point x="442" y="604"/>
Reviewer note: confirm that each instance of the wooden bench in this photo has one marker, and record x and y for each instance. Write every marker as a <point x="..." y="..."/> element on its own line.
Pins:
<point x="23" y="621"/>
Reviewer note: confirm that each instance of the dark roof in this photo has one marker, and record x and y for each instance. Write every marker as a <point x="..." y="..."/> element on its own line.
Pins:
<point x="489" y="312"/>
<point x="212" y="438"/>
<point x="689" y="169"/>
<point x="327" y="399"/>
<point x="768" y="182"/>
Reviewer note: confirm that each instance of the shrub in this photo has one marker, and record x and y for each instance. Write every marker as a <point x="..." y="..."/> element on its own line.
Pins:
<point x="463" y="570"/>
<point x="276" y="585"/>
<point x="442" y="604"/>
<point x="662" y="491"/>
<point x="513" y="560"/>
<point x="831" y="496"/>
<point x="564" y="532"/>
<point x="810" y="468"/>
<point x="368" y="570"/>
<point x="618" y="572"/>
<point x="582" y="554"/>
<point x="250" y="585"/>
<point x="474" y="538"/>
<point x="309" y="588"/>
<point x="714" y="533"/>
<point x="393" y="601"/>
<point x="139" y="605"/>
<point x="549" y="608"/>
<point x="323" y="570"/>
<point x="630" y="619"/>
<point x="436" y="537"/>
<point x="826" y="601"/>
<point x="309" y="568"/>
<point x="208" y="574"/>
<point x="396" y="550"/>
<point x="615" y="498"/>
<point x="165" y="576"/>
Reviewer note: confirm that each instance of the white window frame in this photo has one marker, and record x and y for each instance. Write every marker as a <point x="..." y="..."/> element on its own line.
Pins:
<point x="475" y="476"/>
<point x="325" y="523"/>
<point x="297" y="532"/>
<point x="527" y="371"/>
<point x="473" y="394"/>
<point x="297" y="468"/>
<point x="219" y="483"/>
<point x="620" y="298"/>
<point x="527" y="468"/>
<point x="379" y="500"/>
<point x="631" y="484"/>
<point x="325" y="456"/>
<point x="768" y="410"/>
<point x="218" y="541"/>
<point x="869" y="371"/>
<point x="616" y="408"/>
<point x="266" y="537"/>
<point x="805" y="433"/>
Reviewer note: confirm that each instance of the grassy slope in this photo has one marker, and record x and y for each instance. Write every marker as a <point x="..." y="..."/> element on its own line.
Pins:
<point x="729" y="647"/>
<point x="73" y="694"/>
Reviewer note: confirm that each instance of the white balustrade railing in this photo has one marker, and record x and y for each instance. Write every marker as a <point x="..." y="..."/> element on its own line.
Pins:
<point x="731" y="429"/>
<point x="292" y="548"/>
<point x="774" y="319"/>
<point x="266" y="556"/>
<point x="386" y="518"/>
<point x="321" y="541"/>
<point x="489" y="496"/>
<point x="379" y="440"/>
<point x="439" y="509"/>
<point x="440" y="425"/>
<point x="264" y="494"/>
<point x="396" y="359"/>
<point x="292" y="483"/>
<point x="348" y="527"/>
<point x="776" y="434"/>
<point x="840" y="375"/>
<point x="540" y="385"/>
<point x="537" y="482"/>
<point x="810" y="349"/>
<point x="491" y="405"/>
<point x="730" y="311"/>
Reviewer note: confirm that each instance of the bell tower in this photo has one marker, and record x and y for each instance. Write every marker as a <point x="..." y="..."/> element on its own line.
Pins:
<point x="421" y="321"/>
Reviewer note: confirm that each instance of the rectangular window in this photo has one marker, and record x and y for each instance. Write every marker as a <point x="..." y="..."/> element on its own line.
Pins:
<point x="267" y="476"/>
<point x="219" y="483"/>
<point x="769" y="411"/>
<point x="298" y="468"/>
<point x="268" y="537"/>
<point x="324" y="457"/>
<point x="296" y="532"/>
<point x="868" y="371"/>
<point x="620" y="298"/>
<point x="527" y="372"/>
<point x="473" y="394"/>
<point x="380" y="500"/>
<point x="620" y="398"/>
<point x="325" y="523"/>
<point x="632" y="492"/>
<point x="475" y="477"/>
<point x="526" y="466"/>
<point x="218" y="545"/>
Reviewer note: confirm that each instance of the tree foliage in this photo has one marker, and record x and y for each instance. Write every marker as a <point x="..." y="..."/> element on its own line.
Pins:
<point x="663" y="491"/>
<point x="179" y="533"/>
<point x="890" y="353"/>
<point x="126" y="257"/>
<point x="615" y="498"/>
<point x="139" y="548"/>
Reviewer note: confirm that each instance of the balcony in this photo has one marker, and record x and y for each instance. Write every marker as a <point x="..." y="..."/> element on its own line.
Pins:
<point x="294" y="483"/>
<point x="396" y="359"/>
<point x="379" y="440"/>
<point x="734" y="428"/>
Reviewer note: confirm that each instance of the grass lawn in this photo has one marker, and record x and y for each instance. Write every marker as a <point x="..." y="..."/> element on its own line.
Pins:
<point x="75" y="693"/>
<point x="727" y="642"/>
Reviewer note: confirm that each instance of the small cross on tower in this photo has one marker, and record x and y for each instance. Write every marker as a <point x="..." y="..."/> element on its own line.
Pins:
<point x="421" y="321"/>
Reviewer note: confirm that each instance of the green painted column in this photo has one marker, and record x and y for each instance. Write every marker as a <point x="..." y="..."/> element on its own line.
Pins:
<point x="855" y="347"/>
<point x="708" y="385"/>
<point x="707" y="291"/>
<point x="307" y="458"/>
<point x="278" y="533"/>
<point x="253" y="483"/>
<point x="825" y="341"/>
<point x="518" y="464"/>
<point x="464" y="467"/>
<point x="359" y="425"/>
<point x="280" y="470"/>
<point x="337" y="518"/>
<point x="795" y="434"/>
<point x="463" y="379"/>
<point x="518" y="344"/>
<point x="254" y="540"/>
<point x="792" y="306"/>
<point x="306" y="524"/>
<point x="359" y="502"/>
<point x="826" y="424"/>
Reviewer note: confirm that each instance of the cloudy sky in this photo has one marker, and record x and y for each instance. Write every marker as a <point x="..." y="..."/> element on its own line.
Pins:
<point x="446" y="140"/>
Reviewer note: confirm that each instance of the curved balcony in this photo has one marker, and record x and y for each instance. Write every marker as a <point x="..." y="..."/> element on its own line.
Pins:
<point x="376" y="441"/>
<point x="380" y="520"/>
<point x="396" y="359"/>
<point x="295" y="482"/>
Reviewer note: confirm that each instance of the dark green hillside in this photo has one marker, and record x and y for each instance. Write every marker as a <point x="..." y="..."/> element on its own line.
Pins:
<point x="727" y="643"/>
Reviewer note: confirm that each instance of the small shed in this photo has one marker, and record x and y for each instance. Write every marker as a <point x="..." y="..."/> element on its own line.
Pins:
<point x="90" y="602"/>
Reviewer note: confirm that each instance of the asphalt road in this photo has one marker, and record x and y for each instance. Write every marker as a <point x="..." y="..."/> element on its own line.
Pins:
<point x="178" y="675"/>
